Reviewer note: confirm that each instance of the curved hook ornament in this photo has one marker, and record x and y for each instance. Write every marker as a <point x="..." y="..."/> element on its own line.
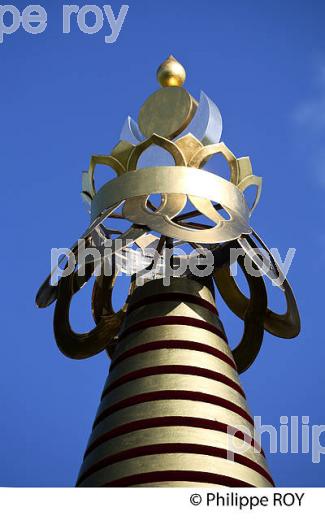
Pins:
<point x="286" y="325"/>
<point x="254" y="314"/>
<point x="80" y="346"/>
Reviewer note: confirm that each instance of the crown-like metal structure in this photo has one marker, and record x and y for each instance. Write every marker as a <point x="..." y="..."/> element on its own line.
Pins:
<point x="173" y="403"/>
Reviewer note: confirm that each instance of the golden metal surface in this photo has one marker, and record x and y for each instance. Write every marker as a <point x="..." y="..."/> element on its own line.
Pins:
<point x="174" y="356"/>
<point x="170" y="408"/>
<point x="176" y="180"/>
<point x="190" y="310"/>
<point x="121" y="152"/>
<point x="175" y="461"/>
<point x="177" y="332"/>
<point x="174" y="382"/>
<point x="195" y="287"/>
<point x="189" y="146"/>
<point x="167" y="112"/>
<point x="171" y="73"/>
<point x="158" y="435"/>
<point x="204" y="154"/>
<point x="173" y="434"/>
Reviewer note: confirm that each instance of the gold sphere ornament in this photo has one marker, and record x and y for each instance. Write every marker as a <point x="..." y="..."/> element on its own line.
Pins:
<point x="171" y="73"/>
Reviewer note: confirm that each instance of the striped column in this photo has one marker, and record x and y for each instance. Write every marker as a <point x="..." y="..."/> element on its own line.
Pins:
<point x="173" y="412"/>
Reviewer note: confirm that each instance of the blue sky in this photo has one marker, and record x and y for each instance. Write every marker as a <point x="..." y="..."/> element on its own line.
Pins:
<point x="65" y="97"/>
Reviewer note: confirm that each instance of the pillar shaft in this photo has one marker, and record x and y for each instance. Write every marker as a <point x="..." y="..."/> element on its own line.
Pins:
<point x="173" y="412"/>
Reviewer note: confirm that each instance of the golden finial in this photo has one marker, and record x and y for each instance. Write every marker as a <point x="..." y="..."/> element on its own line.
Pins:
<point x="171" y="73"/>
